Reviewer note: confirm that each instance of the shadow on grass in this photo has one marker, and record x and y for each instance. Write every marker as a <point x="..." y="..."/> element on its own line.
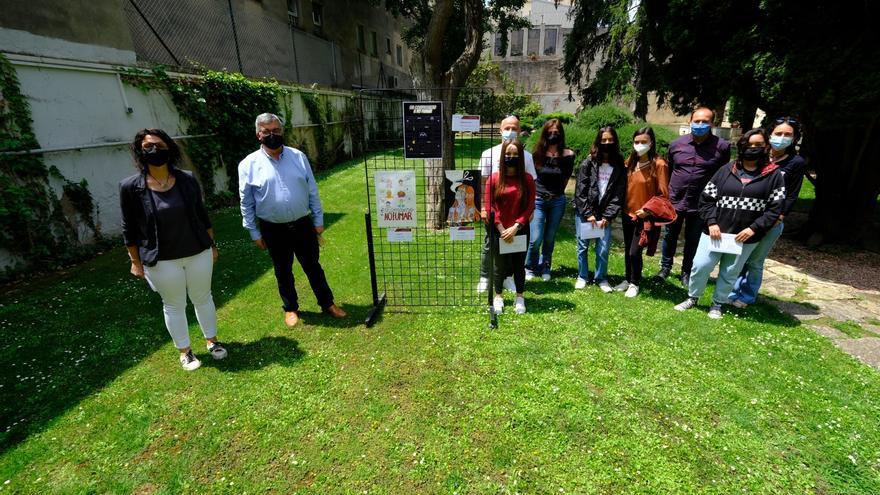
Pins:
<point x="357" y="313"/>
<point x="546" y="305"/>
<point x="257" y="354"/>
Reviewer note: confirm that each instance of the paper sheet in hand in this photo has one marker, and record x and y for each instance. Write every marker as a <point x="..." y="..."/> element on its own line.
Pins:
<point x="517" y="246"/>
<point x="727" y="244"/>
<point x="588" y="231"/>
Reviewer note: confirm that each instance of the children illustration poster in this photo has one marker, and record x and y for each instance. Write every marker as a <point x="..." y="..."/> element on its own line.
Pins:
<point x="462" y="188"/>
<point x="396" y="198"/>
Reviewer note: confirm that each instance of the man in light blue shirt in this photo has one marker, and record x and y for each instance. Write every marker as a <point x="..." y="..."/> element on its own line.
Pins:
<point x="281" y="210"/>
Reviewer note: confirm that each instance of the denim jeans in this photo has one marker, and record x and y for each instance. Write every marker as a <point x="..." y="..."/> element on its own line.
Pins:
<point x="693" y="227"/>
<point x="729" y="267"/>
<point x="601" y="245"/>
<point x="542" y="230"/>
<point x="749" y="281"/>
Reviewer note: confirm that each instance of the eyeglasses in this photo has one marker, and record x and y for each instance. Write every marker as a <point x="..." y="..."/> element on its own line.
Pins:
<point x="266" y="132"/>
<point x="787" y="120"/>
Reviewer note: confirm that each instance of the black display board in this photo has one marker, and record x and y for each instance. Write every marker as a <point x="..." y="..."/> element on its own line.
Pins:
<point x="422" y="129"/>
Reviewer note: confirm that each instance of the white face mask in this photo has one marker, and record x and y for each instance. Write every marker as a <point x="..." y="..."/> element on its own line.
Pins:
<point x="509" y="135"/>
<point x="641" y="149"/>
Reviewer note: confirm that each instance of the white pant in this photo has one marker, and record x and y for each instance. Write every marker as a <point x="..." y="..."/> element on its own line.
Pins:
<point x="173" y="279"/>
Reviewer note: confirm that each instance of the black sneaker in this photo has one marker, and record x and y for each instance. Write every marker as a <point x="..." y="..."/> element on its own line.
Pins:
<point x="685" y="280"/>
<point x="715" y="311"/>
<point x="663" y="273"/>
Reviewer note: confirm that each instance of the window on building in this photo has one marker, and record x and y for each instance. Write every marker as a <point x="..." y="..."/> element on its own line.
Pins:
<point x="293" y="12"/>
<point x="516" y="43"/>
<point x="388" y="46"/>
<point x="498" y="51"/>
<point x="374" y="44"/>
<point x="400" y="55"/>
<point x="362" y="39"/>
<point x="534" y="41"/>
<point x="550" y="34"/>
<point x="565" y="32"/>
<point x="317" y="14"/>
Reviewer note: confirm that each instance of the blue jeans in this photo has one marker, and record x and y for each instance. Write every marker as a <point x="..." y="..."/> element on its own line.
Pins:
<point x="749" y="281"/>
<point x="601" y="245"/>
<point x="693" y="227"/>
<point x="729" y="267"/>
<point x="542" y="230"/>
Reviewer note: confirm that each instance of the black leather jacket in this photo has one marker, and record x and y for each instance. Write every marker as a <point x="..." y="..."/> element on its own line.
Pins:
<point x="139" y="227"/>
<point x="586" y="193"/>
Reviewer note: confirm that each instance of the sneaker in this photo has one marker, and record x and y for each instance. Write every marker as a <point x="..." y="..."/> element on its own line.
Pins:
<point x="685" y="280"/>
<point x="545" y="277"/>
<point x="580" y="283"/>
<point x="622" y="286"/>
<point x="498" y="305"/>
<point x="217" y="350"/>
<point x="530" y="275"/>
<point x="715" y="311"/>
<point x="632" y="291"/>
<point x="663" y="273"/>
<point x="482" y="285"/>
<point x="189" y="361"/>
<point x="519" y="305"/>
<point x="736" y="303"/>
<point x="509" y="285"/>
<point x="686" y="304"/>
<point x="605" y="287"/>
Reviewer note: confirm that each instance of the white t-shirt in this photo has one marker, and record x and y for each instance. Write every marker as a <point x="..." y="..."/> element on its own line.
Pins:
<point x="489" y="162"/>
<point x="604" y="178"/>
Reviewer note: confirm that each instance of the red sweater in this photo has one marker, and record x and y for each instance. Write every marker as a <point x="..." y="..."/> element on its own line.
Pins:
<point x="508" y="210"/>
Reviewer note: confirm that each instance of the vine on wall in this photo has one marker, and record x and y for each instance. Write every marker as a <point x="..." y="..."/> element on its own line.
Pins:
<point x="33" y="226"/>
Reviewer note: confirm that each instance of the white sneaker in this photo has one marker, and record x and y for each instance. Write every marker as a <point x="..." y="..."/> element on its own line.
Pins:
<point x="545" y="277"/>
<point x="482" y="285"/>
<point x="580" y="283"/>
<point x="715" y="311"/>
<point x="632" y="291"/>
<point x="189" y="361"/>
<point x="686" y="304"/>
<point x="498" y="305"/>
<point x="606" y="288"/>
<point x="519" y="305"/>
<point x="529" y="275"/>
<point x="509" y="285"/>
<point x="217" y="350"/>
<point x="736" y="303"/>
<point x="622" y="286"/>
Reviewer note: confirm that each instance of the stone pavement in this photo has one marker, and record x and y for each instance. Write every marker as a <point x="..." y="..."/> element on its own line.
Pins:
<point x="850" y="317"/>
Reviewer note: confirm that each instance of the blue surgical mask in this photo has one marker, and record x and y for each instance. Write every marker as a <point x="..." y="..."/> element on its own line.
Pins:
<point x="780" y="142"/>
<point x="700" y="129"/>
<point x="509" y="135"/>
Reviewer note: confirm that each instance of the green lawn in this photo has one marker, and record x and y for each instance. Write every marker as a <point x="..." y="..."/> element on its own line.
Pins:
<point x="587" y="393"/>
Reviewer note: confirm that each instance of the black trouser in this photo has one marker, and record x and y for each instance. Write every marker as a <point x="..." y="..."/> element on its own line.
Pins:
<point x="693" y="227"/>
<point x="484" y="254"/>
<point x="284" y="240"/>
<point x="507" y="265"/>
<point x="632" y="230"/>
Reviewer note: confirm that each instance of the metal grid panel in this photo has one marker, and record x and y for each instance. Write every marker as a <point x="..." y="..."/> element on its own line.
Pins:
<point x="431" y="270"/>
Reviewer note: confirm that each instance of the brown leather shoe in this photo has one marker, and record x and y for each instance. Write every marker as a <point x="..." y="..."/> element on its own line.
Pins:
<point x="291" y="318"/>
<point x="336" y="312"/>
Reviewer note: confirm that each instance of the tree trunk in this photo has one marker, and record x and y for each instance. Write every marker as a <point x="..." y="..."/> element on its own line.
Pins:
<point x="847" y="183"/>
<point x="435" y="168"/>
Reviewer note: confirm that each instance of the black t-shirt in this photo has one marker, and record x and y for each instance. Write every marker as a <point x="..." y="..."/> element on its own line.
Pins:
<point x="176" y="237"/>
<point x="554" y="174"/>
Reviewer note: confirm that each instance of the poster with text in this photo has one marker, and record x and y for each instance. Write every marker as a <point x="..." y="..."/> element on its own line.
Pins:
<point x="462" y="194"/>
<point x="395" y="198"/>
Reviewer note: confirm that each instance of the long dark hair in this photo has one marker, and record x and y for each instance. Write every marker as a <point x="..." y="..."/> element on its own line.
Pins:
<point x="633" y="159"/>
<point x="520" y="166"/>
<point x="138" y="152"/>
<point x="796" y="135"/>
<point x="615" y="158"/>
<point x="540" y="150"/>
<point x="743" y="142"/>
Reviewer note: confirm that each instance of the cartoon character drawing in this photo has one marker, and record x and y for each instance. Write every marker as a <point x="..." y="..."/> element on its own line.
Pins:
<point x="463" y="209"/>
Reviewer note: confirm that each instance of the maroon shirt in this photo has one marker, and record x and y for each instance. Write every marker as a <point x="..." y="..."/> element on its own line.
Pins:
<point x="692" y="165"/>
<point x="508" y="209"/>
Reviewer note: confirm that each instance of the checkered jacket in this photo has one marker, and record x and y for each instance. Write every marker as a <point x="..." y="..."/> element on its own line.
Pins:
<point x="733" y="205"/>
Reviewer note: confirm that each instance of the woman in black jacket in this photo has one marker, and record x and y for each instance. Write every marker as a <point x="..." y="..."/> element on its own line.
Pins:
<point x="743" y="199"/>
<point x="170" y="240"/>
<point x="598" y="198"/>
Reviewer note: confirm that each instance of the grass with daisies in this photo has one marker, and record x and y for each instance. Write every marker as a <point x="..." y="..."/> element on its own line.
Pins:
<point x="586" y="393"/>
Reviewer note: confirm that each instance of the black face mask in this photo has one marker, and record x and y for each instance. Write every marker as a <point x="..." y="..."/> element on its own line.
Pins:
<point x="553" y="138"/>
<point x="606" y="147"/>
<point x="273" y="141"/>
<point x="155" y="157"/>
<point x="754" y="154"/>
<point x="510" y="160"/>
